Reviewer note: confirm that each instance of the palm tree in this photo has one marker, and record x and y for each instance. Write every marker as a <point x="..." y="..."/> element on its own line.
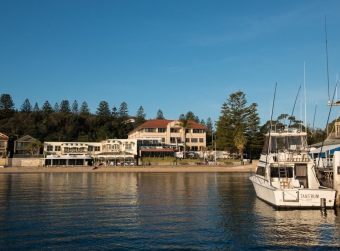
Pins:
<point x="34" y="147"/>
<point x="240" y="141"/>
<point x="184" y="124"/>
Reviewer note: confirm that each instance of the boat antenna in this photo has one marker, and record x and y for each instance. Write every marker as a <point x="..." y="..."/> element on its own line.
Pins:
<point x="290" y="121"/>
<point x="327" y="60"/>
<point x="304" y="82"/>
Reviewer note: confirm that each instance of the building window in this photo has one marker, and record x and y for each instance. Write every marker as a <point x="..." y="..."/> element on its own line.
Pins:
<point x="187" y="140"/>
<point x="161" y="129"/>
<point x="90" y="148"/>
<point x="172" y="140"/>
<point x="174" y="130"/>
<point x="97" y="148"/>
<point x="2" y="143"/>
<point x="197" y="131"/>
<point x="187" y="130"/>
<point x="49" y="148"/>
<point x="194" y="140"/>
<point x="150" y="129"/>
<point x="163" y="140"/>
<point x="56" y="148"/>
<point x="128" y="146"/>
<point x="201" y="140"/>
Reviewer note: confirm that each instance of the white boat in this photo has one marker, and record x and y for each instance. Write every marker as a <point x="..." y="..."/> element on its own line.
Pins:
<point x="285" y="175"/>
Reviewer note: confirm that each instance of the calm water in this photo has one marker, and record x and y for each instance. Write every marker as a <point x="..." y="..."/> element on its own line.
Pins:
<point x="152" y="211"/>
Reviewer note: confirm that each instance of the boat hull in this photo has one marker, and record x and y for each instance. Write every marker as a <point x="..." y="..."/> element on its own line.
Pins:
<point x="294" y="197"/>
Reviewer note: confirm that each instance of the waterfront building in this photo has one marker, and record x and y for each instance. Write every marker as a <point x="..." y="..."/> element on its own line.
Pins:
<point x="172" y="134"/>
<point x="20" y="145"/>
<point x="3" y="145"/>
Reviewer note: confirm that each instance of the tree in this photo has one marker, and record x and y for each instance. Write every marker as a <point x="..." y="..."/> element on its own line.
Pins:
<point x="184" y="124"/>
<point x="103" y="109"/>
<point x="115" y="112"/>
<point x="36" y="107"/>
<point x="140" y="116"/>
<point x="65" y="106"/>
<point x="34" y="147"/>
<point x="6" y="106"/>
<point x="233" y="120"/>
<point x="160" y="115"/>
<point x="6" y="102"/>
<point x="253" y="133"/>
<point x="75" y="107"/>
<point x="240" y="141"/>
<point x="56" y="107"/>
<point x="84" y="109"/>
<point x="47" y="108"/>
<point x="123" y="111"/>
<point x="26" y="106"/>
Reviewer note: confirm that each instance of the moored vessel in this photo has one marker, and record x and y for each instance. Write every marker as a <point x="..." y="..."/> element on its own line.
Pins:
<point x="285" y="176"/>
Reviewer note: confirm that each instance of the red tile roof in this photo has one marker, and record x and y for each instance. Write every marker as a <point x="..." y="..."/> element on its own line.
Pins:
<point x="3" y="136"/>
<point x="162" y="123"/>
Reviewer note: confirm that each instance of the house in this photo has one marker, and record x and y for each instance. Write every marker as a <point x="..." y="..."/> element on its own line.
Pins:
<point x="323" y="152"/>
<point x="171" y="134"/>
<point x="3" y="145"/>
<point x="20" y="145"/>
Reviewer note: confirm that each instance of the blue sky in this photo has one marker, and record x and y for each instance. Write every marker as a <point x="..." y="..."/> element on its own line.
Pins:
<point x="177" y="56"/>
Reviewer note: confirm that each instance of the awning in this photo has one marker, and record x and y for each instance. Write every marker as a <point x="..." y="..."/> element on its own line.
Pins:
<point x="325" y="149"/>
<point x="68" y="156"/>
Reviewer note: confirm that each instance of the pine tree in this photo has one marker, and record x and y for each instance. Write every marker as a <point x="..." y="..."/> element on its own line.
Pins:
<point x="232" y="121"/>
<point x="26" y="106"/>
<point x="56" y="107"/>
<point x="123" y="111"/>
<point x="36" y="107"/>
<point x="253" y="134"/>
<point x="6" y="106"/>
<point x="115" y="112"/>
<point x="103" y="109"/>
<point x="65" y="106"/>
<point x="47" y="108"/>
<point x="160" y="114"/>
<point x="75" y="107"/>
<point x="84" y="109"/>
<point x="140" y="116"/>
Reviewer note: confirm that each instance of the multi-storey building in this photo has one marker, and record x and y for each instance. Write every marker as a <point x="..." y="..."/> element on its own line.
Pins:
<point x="107" y="152"/>
<point x="3" y="145"/>
<point x="20" y="145"/>
<point x="172" y="134"/>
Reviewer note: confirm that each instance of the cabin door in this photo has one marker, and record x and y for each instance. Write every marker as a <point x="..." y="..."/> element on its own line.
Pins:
<point x="301" y="174"/>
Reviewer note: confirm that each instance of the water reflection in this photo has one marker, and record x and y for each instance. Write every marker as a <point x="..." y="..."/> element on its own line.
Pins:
<point x="205" y="211"/>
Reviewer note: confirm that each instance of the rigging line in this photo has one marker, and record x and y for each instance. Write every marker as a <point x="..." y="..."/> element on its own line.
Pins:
<point x="290" y="121"/>
<point x="329" y="113"/>
<point x="316" y="104"/>
<point x="327" y="59"/>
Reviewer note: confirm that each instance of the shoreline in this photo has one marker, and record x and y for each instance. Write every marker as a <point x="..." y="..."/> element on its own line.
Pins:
<point x="127" y="169"/>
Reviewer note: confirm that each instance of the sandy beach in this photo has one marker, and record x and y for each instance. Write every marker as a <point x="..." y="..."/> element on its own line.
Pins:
<point x="144" y="169"/>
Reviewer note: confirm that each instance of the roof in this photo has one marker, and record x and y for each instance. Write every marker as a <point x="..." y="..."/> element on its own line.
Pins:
<point x="162" y="123"/>
<point x="26" y="138"/>
<point x="3" y="136"/>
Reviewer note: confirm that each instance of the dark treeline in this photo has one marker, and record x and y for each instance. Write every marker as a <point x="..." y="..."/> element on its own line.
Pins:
<point x="73" y="122"/>
<point x="238" y="127"/>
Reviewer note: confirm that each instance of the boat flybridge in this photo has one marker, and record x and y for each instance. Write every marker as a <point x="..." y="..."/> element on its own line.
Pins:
<point x="285" y="175"/>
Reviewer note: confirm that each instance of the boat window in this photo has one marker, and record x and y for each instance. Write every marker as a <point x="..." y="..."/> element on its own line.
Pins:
<point x="296" y="143"/>
<point x="283" y="172"/>
<point x="265" y="147"/>
<point x="260" y="170"/>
